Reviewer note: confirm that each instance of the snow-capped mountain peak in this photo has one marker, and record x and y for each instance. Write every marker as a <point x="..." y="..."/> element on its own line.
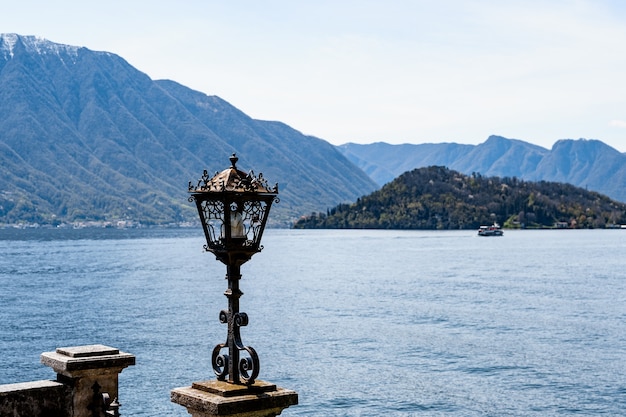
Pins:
<point x="33" y="44"/>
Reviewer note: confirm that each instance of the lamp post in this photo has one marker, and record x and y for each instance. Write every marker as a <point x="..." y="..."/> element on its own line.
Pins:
<point x="233" y="208"/>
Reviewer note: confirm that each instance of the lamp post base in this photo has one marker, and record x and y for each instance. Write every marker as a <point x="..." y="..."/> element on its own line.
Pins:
<point x="220" y="398"/>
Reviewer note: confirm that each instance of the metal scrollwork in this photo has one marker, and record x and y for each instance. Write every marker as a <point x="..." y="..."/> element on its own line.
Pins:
<point x="248" y="366"/>
<point x="241" y="319"/>
<point x="224" y="317"/>
<point x="232" y="179"/>
<point x="220" y="362"/>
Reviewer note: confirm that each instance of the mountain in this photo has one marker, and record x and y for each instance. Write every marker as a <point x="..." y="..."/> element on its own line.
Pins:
<point x="440" y="198"/>
<point x="84" y="136"/>
<point x="585" y="163"/>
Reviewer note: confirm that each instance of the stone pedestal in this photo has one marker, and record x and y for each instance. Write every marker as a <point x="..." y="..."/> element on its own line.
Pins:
<point x="219" y="398"/>
<point x="91" y="371"/>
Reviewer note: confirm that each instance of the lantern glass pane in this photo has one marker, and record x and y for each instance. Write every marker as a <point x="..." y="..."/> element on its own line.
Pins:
<point x="213" y="213"/>
<point x="254" y="213"/>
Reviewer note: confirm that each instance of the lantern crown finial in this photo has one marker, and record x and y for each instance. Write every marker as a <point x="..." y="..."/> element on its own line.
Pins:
<point x="233" y="161"/>
<point x="232" y="180"/>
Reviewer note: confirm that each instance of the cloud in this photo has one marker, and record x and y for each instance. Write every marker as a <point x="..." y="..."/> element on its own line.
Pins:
<point x="618" y="123"/>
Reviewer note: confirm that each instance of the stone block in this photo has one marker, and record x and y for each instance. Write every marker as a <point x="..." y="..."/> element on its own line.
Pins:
<point x="90" y="371"/>
<point x="220" y="398"/>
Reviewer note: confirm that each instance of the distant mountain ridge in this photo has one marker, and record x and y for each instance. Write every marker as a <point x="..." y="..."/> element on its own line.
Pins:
<point x="84" y="136"/>
<point x="585" y="163"/>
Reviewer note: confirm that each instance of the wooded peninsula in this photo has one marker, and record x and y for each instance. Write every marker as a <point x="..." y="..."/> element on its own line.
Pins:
<point x="437" y="198"/>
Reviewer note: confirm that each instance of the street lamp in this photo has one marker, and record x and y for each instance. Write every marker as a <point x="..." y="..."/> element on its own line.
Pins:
<point x="233" y="208"/>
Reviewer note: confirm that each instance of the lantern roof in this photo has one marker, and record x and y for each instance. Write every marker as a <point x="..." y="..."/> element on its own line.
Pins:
<point x="232" y="180"/>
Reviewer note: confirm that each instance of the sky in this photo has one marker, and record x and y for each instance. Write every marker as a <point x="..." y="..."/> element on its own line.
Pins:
<point x="362" y="71"/>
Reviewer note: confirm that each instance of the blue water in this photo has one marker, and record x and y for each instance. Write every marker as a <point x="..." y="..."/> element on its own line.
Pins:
<point x="360" y="323"/>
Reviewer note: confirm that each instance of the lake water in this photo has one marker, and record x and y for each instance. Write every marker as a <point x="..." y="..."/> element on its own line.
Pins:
<point x="359" y="323"/>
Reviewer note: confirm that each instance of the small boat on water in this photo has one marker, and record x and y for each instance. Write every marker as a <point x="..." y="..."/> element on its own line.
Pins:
<point x="493" y="230"/>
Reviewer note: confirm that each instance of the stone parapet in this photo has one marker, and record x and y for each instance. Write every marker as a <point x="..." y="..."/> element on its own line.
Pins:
<point x="35" y="399"/>
<point x="92" y="373"/>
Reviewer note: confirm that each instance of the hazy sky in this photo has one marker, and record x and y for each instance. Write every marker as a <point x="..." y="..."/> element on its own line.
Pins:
<point x="362" y="71"/>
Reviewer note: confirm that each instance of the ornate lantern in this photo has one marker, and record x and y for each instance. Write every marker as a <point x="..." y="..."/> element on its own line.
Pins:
<point x="233" y="208"/>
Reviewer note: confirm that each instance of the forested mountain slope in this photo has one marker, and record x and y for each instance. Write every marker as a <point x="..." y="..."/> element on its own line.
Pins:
<point x="84" y="136"/>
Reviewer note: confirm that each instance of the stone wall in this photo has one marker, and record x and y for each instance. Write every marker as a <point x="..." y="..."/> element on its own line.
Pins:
<point x="35" y="399"/>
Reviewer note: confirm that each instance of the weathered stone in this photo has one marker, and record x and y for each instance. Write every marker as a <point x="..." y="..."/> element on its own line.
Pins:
<point x="226" y="389"/>
<point x="218" y="398"/>
<point x="88" y="350"/>
<point x="83" y="360"/>
<point x="35" y="399"/>
<point x="88" y="370"/>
